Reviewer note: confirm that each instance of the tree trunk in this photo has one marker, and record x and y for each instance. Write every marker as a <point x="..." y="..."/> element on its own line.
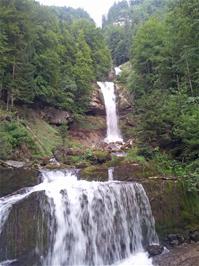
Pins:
<point x="189" y="77"/>
<point x="7" y="101"/>
<point x="13" y="77"/>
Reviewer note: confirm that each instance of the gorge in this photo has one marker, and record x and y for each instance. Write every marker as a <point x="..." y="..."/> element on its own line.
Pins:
<point x="99" y="134"/>
<point x="69" y="217"/>
<point x="81" y="222"/>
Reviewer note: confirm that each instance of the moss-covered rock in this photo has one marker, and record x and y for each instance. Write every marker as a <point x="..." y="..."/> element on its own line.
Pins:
<point x="94" y="173"/>
<point x="100" y="156"/>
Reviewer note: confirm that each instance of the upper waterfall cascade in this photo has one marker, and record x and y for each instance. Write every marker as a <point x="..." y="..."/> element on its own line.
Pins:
<point x="113" y="131"/>
<point x="90" y="223"/>
<point x="117" y="71"/>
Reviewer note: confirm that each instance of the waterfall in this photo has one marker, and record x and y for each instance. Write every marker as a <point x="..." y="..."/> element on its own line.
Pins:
<point x="90" y="223"/>
<point x="113" y="132"/>
<point x="117" y="71"/>
<point x="110" y="173"/>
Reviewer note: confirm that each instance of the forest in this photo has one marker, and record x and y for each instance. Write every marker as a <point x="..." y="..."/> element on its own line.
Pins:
<point x="99" y="134"/>
<point x="52" y="56"/>
<point x="49" y="55"/>
<point x="161" y="40"/>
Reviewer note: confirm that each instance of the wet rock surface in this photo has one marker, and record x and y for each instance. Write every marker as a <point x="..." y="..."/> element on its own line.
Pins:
<point x="154" y="250"/>
<point x="12" y="180"/>
<point x="15" y="164"/>
<point x="194" y="236"/>
<point x="184" y="255"/>
<point x="96" y="106"/>
<point x="170" y="204"/>
<point x="115" y="146"/>
<point x="22" y="232"/>
<point x="174" y="240"/>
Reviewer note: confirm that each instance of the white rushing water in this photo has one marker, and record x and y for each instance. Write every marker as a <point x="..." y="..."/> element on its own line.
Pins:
<point x="91" y="223"/>
<point x="117" y="71"/>
<point x="113" y="132"/>
<point x="110" y="173"/>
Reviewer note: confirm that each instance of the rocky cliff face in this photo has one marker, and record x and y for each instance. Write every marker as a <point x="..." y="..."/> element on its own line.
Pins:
<point x="96" y="106"/>
<point x="92" y="129"/>
<point x="124" y="100"/>
<point x="56" y="116"/>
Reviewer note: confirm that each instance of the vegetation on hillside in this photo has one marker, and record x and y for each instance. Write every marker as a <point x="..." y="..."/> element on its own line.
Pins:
<point x="164" y="79"/>
<point x="49" y="55"/>
<point x="122" y="22"/>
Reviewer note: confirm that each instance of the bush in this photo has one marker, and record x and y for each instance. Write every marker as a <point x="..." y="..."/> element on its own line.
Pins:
<point x="133" y="155"/>
<point x="5" y="146"/>
<point x="100" y="157"/>
<point x="12" y="135"/>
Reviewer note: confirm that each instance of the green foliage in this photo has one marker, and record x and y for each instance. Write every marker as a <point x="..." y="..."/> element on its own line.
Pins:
<point x="133" y="155"/>
<point x="12" y="136"/>
<point x="88" y="155"/>
<point x="101" y="156"/>
<point x="96" y="156"/>
<point x="63" y="130"/>
<point x="175" y="128"/>
<point x="164" y="81"/>
<point x="5" y="146"/>
<point x="165" y="165"/>
<point x="191" y="182"/>
<point x="49" y="55"/>
<point x="123" y="21"/>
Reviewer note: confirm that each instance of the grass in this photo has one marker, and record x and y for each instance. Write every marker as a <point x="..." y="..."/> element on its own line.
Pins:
<point x="92" y="123"/>
<point x="46" y="137"/>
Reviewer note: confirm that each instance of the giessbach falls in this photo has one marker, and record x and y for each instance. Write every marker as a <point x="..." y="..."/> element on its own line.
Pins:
<point x="99" y="133"/>
<point x="77" y="222"/>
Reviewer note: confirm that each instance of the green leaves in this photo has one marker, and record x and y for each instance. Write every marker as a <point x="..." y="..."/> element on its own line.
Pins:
<point x="49" y="55"/>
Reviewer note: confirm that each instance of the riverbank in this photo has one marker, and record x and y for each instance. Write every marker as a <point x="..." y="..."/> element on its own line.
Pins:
<point x="183" y="255"/>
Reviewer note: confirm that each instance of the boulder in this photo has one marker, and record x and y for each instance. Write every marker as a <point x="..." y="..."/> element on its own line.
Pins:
<point x="174" y="240"/>
<point x="62" y="154"/>
<point x="128" y="144"/>
<point x="155" y="250"/>
<point x="194" y="236"/>
<point x="101" y="156"/>
<point x="15" y="164"/>
<point x="56" y="116"/>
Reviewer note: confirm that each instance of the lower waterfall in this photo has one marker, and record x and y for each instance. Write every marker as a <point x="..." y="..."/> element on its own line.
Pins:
<point x="89" y="223"/>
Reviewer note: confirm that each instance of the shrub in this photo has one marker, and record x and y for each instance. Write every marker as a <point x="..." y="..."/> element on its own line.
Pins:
<point x="12" y="135"/>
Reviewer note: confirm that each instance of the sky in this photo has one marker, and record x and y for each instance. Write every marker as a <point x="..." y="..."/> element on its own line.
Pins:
<point x="95" y="8"/>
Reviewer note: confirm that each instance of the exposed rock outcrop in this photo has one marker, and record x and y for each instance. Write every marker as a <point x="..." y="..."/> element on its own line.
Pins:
<point x="194" y="236"/>
<point x="116" y="146"/>
<point x="124" y="99"/>
<point x="56" y="116"/>
<point x="96" y="106"/>
<point x="154" y="250"/>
